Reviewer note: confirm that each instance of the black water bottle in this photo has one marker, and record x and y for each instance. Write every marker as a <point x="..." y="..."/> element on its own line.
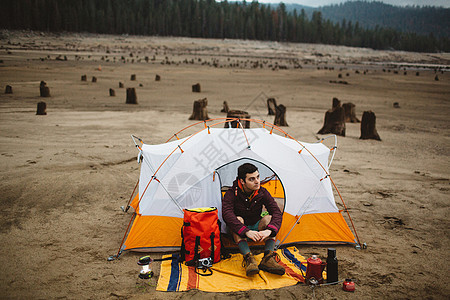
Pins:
<point x="332" y="266"/>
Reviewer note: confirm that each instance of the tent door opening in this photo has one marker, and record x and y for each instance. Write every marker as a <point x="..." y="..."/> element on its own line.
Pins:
<point x="269" y="179"/>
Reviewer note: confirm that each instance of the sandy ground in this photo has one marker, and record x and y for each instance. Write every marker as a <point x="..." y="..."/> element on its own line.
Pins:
<point x="65" y="175"/>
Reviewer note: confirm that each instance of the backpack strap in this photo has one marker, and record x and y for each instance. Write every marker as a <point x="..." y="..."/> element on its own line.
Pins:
<point x="193" y="262"/>
<point x="224" y="254"/>
<point x="183" y="247"/>
<point x="213" y="235"/>
<point x="197" y="245"/>
<point x="183" y="251"/>
<point x="206" y="272"/>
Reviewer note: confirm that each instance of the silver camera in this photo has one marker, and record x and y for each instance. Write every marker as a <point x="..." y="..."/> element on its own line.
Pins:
<point x="204" y="263"/>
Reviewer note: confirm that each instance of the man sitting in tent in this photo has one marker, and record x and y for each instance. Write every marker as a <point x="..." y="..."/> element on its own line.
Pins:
<point x="241" y="211"/>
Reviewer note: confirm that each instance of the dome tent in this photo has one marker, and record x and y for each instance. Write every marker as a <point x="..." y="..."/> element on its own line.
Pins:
<point x="194" y="171"/>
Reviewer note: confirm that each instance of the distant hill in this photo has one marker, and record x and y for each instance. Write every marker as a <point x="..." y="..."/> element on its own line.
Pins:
<point x="420" y="20"/>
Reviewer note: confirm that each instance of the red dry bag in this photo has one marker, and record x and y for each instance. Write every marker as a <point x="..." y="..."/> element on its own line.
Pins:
<point x="200" y="237"/>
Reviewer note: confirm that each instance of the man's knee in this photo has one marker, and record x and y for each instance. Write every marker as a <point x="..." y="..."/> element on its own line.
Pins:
<point x="236" y="237"/>
<point x="264" y="222"/>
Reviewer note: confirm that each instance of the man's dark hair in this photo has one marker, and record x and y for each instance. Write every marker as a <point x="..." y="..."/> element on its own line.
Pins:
<point x="245" y="169"/>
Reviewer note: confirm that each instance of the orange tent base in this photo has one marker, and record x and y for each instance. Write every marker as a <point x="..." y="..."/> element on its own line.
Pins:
<point x="159" y="233"/>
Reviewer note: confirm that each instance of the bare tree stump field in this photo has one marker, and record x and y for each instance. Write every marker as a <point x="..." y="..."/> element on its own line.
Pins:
<point x="225" y="108"/>
<point x="44" y="89"/>
<point x="280" y="116"/>
<point x="112" y="92"/>
<point x="350" y="114"/>
<point x="196" y="88"/>
<point x="271" y="106"/>
<point x="8" y="89"/>
<point x="41" y="108"/>
<point x="131" y="96"/>
<point x="334" y="121"/>
<point x="199" y="110"/>
<point x="240" y="115"/>
<point x="368" y="127"/>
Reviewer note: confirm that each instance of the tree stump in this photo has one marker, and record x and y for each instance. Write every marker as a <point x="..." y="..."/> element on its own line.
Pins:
<point x="133" y="77"/>
<point x="350" y="115"/>
<point x="44" y="89"/>
<point x="41" y="108"/>
<point x="240" y="115"/>
<point x="157" y="78"/>
<point x="368" y="128"/>
<point x="120" y="85"/>
<point x="334" y="122"/>
<point x="336" y="103"/>
<point x="280" y="116"/>
<point x="83" y="78"/>
<point x="271" y="106"/>
<point x="8" y="89"/>
<point x="225" y="108"/>
<point x="112" y="92"/>
<point x="196" y="88"/>
<point x="199" y="111"/>
<point x="94" y="79"/>
<point x="131" y="96"/>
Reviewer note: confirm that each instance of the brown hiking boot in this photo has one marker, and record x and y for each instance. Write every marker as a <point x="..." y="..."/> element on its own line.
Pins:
<point x="250" y="265"/>
<point x="270" y="264"/>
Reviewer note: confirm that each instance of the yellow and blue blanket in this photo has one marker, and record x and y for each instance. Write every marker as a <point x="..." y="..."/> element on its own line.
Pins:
<point x="229" y="275"/>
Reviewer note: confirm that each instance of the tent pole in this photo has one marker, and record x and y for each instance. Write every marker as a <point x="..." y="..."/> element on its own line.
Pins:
<point x="243" y="131"/>
<point x="125" y="235"/>
<point x="174" y="201"/>
<point x="346" y="210"/>
<point x="154" y="177"/>
<point x="131" y="197"/>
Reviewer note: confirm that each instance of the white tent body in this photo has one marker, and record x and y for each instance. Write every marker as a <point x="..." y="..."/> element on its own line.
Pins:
<point x="189" y="173"/>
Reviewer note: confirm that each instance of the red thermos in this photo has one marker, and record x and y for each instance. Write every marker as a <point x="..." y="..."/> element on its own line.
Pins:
<point x="314" y="268"/>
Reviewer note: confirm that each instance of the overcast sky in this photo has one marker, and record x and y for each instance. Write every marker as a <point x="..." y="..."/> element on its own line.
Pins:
<point x="316" y="3"/>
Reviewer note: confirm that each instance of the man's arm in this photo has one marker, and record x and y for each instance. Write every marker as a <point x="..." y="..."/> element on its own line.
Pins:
<point x="229" y="216"/>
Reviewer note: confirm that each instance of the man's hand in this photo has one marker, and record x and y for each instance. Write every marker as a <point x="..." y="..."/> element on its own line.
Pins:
<point x="258" y="236"/>
<point x="253" y="235"/>
<point x="265" y="234"/>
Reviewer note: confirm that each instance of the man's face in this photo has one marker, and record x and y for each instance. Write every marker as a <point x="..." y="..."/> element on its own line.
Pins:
<point x="251" y="182"/>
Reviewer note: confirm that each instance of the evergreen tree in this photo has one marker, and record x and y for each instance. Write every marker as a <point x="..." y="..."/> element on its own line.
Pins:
<point x="240" y="20"/>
